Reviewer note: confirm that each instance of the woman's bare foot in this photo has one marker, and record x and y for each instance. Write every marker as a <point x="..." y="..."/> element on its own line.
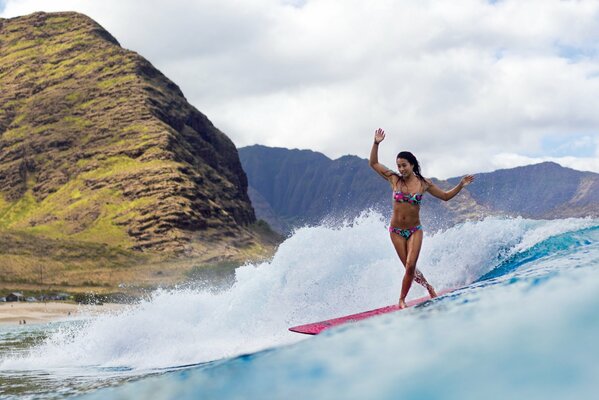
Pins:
<point x="402" y="304"/>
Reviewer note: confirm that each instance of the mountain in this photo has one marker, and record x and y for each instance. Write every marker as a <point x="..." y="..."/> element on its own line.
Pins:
<point x="303" y="187"/>
<point x="546" y="190"/>
<point x="97" y="145"/>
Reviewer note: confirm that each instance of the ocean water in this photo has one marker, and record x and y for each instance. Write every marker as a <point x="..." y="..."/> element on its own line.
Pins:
<point x="523" y="325"/>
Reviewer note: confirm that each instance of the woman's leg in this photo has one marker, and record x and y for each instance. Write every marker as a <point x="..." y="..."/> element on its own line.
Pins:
<point x="403" y="248"/>
<point x="414" y="244"/>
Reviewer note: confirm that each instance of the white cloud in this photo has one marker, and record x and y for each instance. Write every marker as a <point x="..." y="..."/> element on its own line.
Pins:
<point x="466" y="85"/>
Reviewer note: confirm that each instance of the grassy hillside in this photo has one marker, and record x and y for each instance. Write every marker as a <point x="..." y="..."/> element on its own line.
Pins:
<point x="101" y="158"/>
<point x="34" y="262"/>
<point x="97" y="145"/>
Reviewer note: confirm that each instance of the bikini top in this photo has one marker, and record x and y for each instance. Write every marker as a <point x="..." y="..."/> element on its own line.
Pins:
<point x="402" y="197"/>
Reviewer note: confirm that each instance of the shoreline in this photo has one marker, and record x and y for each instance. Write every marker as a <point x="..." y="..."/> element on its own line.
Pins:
<point x="13" y="313"/>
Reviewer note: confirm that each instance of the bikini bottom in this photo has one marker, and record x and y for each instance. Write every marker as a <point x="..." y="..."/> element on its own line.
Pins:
<point x="405" y="233"/>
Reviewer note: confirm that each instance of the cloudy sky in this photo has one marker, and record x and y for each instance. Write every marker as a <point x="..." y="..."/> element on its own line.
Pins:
<point x="467" y="85"/>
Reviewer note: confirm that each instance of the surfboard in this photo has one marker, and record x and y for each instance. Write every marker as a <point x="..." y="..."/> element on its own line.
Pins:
<point x="317" y="327"/>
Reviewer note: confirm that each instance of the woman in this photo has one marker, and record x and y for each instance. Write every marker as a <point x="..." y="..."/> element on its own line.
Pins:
<point x="405" y="230"/>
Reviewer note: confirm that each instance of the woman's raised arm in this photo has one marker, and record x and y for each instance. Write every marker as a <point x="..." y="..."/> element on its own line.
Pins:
<point x="373" y="161"/>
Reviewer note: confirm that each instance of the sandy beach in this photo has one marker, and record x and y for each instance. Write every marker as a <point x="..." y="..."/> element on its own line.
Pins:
<point x="37" y="313"/>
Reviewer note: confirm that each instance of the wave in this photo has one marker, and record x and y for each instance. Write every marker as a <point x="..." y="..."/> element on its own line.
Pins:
<point x="554" y="246"/>
<point x="318" y="273"/>
<point x="529" y="333"/>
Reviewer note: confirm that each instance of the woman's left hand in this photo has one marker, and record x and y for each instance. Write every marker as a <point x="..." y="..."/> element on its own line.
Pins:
<point x="467" y="180"/>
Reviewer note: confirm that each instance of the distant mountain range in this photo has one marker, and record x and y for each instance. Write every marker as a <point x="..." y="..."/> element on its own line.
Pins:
<point x="289" y="188"/>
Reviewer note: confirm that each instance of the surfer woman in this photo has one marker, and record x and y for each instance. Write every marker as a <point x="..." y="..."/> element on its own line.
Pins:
<point x="405" y="229"/>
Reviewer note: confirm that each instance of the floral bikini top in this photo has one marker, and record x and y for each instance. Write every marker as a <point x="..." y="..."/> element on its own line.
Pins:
<point x="401" y="197"/>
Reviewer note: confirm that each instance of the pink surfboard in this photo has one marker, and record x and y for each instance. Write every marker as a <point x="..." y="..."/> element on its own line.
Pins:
<point x="316" y="327"/>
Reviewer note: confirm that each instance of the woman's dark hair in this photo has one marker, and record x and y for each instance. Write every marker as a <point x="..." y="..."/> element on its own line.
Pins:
<point x="406" y="155"/>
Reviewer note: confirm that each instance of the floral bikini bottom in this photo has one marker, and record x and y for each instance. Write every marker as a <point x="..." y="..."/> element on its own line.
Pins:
<point x="405" y="233"/>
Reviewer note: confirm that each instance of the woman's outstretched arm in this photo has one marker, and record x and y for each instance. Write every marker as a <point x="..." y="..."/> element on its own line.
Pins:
<point x="373" y="161"/>
<point x="450" y="194"/>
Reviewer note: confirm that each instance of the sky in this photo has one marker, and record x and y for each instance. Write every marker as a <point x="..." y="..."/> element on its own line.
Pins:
<point x="466" y="85"/>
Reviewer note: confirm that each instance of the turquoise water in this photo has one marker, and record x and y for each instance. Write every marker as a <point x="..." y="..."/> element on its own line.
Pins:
<point x="524" y="325"/>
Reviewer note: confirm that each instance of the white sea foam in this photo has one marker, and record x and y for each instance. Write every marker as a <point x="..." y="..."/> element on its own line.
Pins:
<point x="318" y="273"/>
<point x="530" y="335"/>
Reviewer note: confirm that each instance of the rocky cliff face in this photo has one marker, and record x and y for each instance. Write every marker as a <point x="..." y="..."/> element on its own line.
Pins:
<point x="98" y="145"/>
<point x="301" y="186"/>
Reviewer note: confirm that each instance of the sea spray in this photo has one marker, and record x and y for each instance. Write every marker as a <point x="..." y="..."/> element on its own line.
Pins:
<point x="318" y="273"/>
<point x="516" y="337"/>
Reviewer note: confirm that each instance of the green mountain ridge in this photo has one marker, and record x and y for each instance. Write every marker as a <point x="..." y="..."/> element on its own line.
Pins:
<point x="97" y="145"/>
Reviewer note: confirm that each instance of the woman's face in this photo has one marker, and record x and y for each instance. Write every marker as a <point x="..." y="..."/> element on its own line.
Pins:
<point x="404" y="167"/>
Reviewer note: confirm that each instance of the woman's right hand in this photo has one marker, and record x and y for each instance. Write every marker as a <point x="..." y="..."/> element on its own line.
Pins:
<point x="379" y="136"/>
